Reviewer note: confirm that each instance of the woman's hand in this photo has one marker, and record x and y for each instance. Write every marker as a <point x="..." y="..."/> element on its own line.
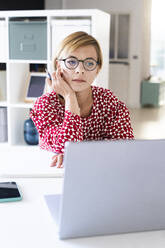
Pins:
<point x="59" y="84"/>
<point x="61" y="87"/>
<point x="57" y="160"/>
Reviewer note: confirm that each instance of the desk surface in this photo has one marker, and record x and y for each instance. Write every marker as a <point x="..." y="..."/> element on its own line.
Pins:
<point x="28" y="223"/>
<point x="27" y="161"/>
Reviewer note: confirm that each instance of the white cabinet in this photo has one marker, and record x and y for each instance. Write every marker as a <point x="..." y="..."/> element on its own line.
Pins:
<point x="13" y="76"/>
<point x="119" y="67"/>
<point x="62" y="28"/>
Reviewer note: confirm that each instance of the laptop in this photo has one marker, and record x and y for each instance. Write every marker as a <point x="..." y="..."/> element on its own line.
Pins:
<point x="111" y="187"/>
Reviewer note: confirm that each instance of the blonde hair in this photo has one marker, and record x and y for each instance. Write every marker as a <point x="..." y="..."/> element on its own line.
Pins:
<point x="77" y="40"/>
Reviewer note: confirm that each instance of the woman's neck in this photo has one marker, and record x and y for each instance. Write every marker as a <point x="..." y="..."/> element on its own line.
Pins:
<point x="84" y="101"/>
<point x="84" y="98"/>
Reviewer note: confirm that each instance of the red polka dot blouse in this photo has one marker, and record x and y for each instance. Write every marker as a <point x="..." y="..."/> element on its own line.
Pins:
<point x="109" y="119"/>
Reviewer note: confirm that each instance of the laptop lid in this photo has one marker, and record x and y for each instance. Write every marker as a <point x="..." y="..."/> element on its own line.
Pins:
<point x="113" y="187"/>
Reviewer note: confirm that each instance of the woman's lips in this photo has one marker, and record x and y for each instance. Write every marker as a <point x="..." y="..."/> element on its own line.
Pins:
<point x="78" y="80"/>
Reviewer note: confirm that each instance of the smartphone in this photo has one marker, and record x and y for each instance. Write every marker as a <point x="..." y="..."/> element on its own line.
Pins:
<point x="9" y="192"/>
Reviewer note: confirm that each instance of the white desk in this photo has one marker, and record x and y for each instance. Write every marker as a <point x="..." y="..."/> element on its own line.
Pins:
<point x="27" y="161"/>
<point x="28" y="223"/>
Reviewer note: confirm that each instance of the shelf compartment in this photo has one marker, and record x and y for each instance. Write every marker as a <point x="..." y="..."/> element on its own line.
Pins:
<point x="3" y="40"/>
<point x="16" y="125"/>
<point x="19" y="78"/>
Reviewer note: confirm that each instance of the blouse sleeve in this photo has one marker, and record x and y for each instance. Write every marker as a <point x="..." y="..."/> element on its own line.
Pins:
<point x="54" y="131"/>
<point x="119" y="126"/>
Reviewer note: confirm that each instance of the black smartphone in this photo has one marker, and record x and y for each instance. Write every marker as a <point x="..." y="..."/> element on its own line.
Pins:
<point x="9" y="192"/>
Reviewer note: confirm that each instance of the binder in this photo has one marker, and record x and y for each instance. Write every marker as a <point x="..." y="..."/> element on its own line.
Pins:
<point x="3" y="124"/>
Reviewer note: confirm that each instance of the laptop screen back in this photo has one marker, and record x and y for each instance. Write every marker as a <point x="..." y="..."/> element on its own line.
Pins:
<point x="113" y="187"/>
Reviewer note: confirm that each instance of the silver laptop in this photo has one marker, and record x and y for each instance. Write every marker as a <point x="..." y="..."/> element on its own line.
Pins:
<point x="111" y="187"/>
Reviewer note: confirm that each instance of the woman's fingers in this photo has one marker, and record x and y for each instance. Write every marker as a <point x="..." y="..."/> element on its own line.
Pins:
<point x="57" y="160"/>
<point x="60" y="161"/>
<point x="56" y="82"/>
<point x="59" y="84"/>
<point x="54" y="160"/>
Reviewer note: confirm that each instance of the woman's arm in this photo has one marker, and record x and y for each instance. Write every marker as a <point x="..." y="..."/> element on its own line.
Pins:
<point x="54" y="130"/>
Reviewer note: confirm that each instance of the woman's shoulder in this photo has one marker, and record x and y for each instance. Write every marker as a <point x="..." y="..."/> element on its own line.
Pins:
<point x="105" y="94"/>
<point x="107" y="98"/>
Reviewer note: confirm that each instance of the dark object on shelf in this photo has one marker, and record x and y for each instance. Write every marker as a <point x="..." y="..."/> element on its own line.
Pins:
<point x="2" y="67"/>
<point x="37" y="67"/>
<point x="30" y="132"/>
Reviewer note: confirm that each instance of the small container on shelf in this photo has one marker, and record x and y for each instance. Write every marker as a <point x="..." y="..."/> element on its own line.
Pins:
<point x="31" y="136"/>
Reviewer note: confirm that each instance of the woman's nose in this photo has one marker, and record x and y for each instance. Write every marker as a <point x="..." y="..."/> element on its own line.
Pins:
<point x="80" y="68"/>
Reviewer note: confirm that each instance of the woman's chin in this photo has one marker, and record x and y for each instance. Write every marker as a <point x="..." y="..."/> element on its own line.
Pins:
<point x="79" y="87"/>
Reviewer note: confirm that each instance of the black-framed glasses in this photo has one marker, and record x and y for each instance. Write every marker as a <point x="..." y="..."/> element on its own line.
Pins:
<point x="71" y="63"/>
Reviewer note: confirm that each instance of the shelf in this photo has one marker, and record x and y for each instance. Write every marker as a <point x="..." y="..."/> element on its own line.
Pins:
<point x="22" y="61"/>
<point x="4" y="145"/>
<point x="24" y="145"/>
<point x="3" y="61"/>
<point x="3" y="104"/>
<point x="22" y="105"/>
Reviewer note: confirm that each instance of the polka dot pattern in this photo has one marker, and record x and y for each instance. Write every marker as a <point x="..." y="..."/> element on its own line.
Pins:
<point x="109" y="120"/>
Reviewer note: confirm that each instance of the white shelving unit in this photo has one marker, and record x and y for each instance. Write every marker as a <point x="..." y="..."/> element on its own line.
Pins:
<point x="13" y="79"/>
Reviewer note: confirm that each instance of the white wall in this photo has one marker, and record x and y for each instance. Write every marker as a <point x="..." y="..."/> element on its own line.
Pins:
<point x="53" y="4"/>
<point x="104" y="5"/>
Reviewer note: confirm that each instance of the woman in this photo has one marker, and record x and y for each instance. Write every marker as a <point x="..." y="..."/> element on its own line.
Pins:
<point x="75" y="110"/>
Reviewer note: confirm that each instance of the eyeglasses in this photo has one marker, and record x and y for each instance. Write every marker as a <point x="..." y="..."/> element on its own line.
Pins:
<point x="71" y="63"/>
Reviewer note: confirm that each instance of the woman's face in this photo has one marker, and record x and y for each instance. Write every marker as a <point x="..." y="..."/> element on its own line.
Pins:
<point x="79" y="79"/>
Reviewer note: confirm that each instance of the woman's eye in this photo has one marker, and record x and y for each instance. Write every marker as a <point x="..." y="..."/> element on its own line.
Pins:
<point x="90" y="63"/>
<point x="71" y="62"/>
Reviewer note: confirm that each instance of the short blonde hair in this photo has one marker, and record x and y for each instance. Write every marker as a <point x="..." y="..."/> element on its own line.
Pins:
<point x="75" y="41"/>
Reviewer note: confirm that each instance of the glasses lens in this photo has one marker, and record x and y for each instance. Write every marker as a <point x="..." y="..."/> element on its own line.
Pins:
<point x="90" y="64"/>
<point x="71" y="63"/>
